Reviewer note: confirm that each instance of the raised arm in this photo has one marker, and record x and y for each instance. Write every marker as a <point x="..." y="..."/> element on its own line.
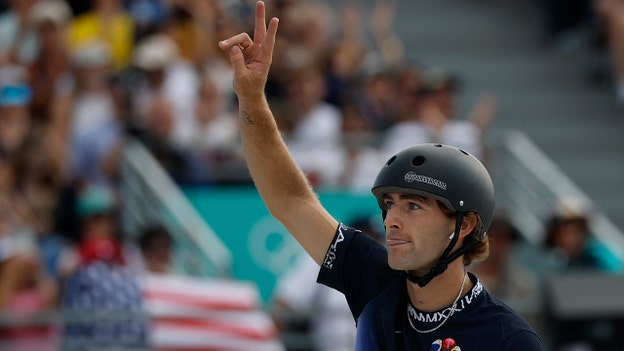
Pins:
<point x="282" y="185"/>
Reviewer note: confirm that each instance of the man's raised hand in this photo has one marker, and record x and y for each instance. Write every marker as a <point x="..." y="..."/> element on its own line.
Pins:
<point x="251" y="59"/>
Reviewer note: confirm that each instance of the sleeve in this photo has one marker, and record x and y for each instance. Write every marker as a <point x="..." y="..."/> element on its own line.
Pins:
<point x="522" y="341"/>
<point x="357" y="266"/>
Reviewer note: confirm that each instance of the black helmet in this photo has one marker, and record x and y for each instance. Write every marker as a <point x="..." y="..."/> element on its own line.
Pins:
<point x="446" y="173"/>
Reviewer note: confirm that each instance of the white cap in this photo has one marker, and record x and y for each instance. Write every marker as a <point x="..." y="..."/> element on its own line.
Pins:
<point x="155" y="52"/>
<point x="55" y="11"/>
<point x="91" y="54"/>
<point x="570" y="207"/>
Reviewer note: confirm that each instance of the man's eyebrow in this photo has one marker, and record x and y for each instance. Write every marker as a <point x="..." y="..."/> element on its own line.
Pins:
<point x="412" y="197"/>
<point x="407" y="196"/>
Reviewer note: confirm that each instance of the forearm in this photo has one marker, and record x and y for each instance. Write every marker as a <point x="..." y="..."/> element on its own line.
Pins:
<point x="281" y="183"/>
<point x="273" y="169"/>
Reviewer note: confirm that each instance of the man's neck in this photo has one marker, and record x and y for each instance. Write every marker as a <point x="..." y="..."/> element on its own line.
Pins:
<point x="441" y="291"/>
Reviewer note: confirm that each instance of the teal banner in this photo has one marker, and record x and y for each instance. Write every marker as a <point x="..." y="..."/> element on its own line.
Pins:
<point x="262" y="249"/>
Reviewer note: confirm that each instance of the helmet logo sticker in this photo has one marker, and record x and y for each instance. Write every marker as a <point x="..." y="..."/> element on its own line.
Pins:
<point x="413" y="177"/>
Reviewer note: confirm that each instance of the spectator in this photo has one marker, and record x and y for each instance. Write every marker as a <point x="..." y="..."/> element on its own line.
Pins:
<point x="50" y="71"/>
<point x="408" y="127"/>
<point x="213" y="128"/>
<point x="156" y="246"/>
<point x="358" y="168"/>
<point x="345" y="56"/>
<point x="212" y="142"/>
<point x="435" y="119"/>
<point x="93" y="125"/>
<point x="568" y="240"/>
<point x="26" y="291"/>
<point x="101" y="298"/>
<point x="309" y="28"/>
<point x="156" y="135"/>
<point x="191" y="24"/>
<point x="316" y="134"/>
<point x="18" y="43"/>
<point x="409" y="88"/>
<point x="107" y="21"/>
<point x="438" y="112"/>
<point x="311" y="315"/>
<point x="379" y="99"/>
<point x="164" y="76"/>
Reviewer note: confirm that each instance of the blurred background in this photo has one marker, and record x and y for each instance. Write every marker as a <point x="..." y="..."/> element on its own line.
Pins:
<point x="128" y="220"/>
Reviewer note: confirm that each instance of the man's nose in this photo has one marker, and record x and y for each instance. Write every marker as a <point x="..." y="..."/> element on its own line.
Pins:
<point x="392" y="219"/>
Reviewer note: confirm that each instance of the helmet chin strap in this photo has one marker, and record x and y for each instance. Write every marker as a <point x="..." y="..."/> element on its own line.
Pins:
<point x="444" y="260"/>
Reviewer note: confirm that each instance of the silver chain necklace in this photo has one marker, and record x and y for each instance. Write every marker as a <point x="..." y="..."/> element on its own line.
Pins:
<point x="409" y="307"/>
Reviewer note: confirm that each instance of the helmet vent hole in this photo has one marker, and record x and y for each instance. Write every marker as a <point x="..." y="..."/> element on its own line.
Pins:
<point x="438" y="145"/>
<point x="418" y="160"/>
<point x="391" y="160"/>
<point x="464" y="152"/>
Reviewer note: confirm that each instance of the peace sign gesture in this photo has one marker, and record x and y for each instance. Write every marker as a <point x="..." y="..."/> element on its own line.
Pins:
<point x="251" y="59"/>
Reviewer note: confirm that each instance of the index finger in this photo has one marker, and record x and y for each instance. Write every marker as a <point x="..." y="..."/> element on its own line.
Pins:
<point x="260" y="25"/>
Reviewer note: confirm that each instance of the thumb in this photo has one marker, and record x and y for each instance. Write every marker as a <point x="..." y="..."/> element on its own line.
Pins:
<point x="237" y="58"/>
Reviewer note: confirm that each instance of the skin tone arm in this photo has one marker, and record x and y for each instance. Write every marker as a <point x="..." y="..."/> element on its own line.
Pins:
<point x="282" y="185"/>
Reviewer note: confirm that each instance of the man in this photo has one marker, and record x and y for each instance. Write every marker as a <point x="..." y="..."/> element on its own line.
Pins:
<point x="437" y="202"/>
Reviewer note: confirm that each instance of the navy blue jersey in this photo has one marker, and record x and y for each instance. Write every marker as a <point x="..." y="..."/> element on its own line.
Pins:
<point x="357" y="266"/>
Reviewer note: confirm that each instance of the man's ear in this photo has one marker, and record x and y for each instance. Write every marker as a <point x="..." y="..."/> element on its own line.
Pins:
<point x="469" y="221"/>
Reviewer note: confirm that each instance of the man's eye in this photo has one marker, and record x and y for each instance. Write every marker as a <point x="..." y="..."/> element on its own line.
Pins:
<point x="413" y="206"/>
<point x="388" y="204"/>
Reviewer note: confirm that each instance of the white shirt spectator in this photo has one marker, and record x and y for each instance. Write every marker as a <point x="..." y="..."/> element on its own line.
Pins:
<point x="331" y="323"/>
<point x="461" y="134"/>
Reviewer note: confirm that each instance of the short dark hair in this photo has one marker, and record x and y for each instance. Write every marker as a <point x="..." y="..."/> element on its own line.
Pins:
<point x="152" y="233"/>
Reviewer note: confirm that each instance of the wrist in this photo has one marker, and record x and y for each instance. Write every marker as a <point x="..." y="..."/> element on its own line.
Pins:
<point x="253" y="103"/>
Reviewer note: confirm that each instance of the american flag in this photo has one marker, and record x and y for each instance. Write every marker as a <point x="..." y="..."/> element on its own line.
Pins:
<point x="207" y="314"/>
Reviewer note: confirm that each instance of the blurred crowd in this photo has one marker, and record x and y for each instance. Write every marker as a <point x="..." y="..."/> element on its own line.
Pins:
<point x="590" y="26"/>
<point x="80" y="78"/>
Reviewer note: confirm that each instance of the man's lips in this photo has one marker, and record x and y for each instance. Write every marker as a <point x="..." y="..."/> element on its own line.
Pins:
<point x="396" y="241"/>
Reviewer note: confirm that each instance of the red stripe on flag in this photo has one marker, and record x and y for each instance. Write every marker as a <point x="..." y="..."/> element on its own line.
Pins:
<point x="199" y="301"/>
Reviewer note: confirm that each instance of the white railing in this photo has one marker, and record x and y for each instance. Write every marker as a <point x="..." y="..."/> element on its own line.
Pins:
<point x="531" y="187"/>
<point x="150" y="196"/>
